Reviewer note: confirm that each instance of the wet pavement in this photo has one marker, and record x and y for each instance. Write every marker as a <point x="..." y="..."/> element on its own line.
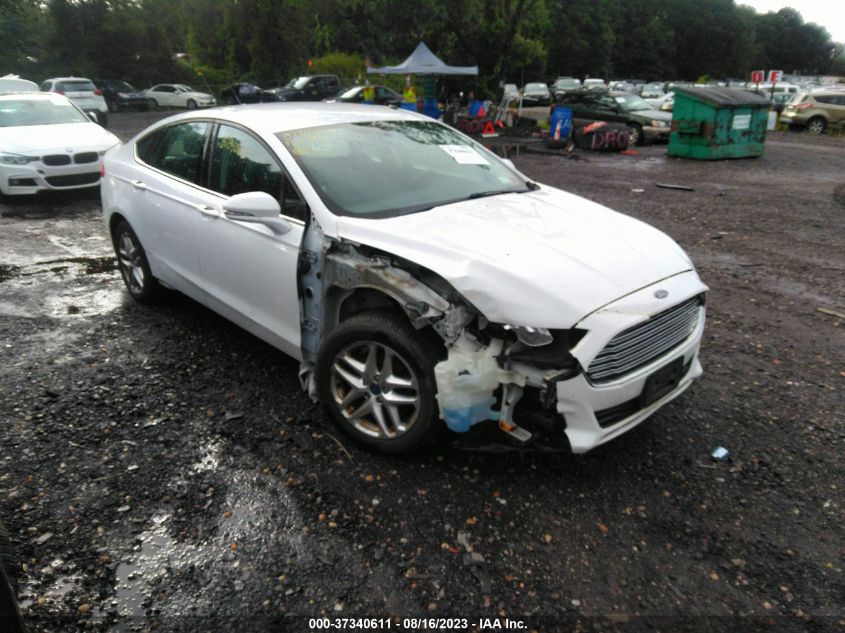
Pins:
<point x="161" y="469"/>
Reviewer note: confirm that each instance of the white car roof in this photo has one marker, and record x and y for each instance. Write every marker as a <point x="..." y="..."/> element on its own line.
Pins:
<point x="34" y="96"/>
<point x="68" y="79"/>
<point x="271" y="118"/>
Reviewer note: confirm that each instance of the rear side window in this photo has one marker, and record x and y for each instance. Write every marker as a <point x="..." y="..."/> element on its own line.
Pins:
<point x="825" y="99"/>
<point x="176" y="150"/>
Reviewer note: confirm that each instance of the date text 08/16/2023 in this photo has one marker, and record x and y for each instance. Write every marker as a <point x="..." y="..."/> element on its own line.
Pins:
<point x="417" y="624"/>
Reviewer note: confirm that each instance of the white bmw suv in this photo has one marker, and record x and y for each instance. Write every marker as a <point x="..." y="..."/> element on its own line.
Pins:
<point x="421" y="281"/>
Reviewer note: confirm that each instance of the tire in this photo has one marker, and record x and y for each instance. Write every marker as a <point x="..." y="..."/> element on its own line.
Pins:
<point x="350" y="380"/>
<point x="8" y="559"/>
<point x="636" y="137"/>
<point x="191" y="104"/>
<point x="133" y="265"/>
<point x="152" y="104"/>
<point x="113" y="107"/>
<point x="816" y="125"/>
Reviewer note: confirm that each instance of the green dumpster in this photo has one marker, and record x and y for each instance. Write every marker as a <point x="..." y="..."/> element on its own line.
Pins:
<point x="715" y="123"/>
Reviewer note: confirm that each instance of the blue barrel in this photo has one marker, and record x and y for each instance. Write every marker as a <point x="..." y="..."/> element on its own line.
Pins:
<point x="560" y="125"/>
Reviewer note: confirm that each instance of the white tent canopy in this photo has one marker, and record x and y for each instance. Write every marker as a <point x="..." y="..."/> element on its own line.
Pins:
<point x="423" y="62"/>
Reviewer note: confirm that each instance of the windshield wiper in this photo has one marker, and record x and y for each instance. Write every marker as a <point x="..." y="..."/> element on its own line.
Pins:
<point x="485" y="194"/>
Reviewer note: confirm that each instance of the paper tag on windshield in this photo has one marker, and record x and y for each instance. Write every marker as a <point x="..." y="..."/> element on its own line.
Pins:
<point x="464" y="154"/>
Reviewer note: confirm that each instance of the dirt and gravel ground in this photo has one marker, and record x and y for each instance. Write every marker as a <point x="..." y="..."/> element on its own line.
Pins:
<point x="161" y="469"/>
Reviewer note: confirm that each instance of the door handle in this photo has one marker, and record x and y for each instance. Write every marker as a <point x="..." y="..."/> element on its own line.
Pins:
<point x="209" y="211"/>
<point x="139" y="185"/>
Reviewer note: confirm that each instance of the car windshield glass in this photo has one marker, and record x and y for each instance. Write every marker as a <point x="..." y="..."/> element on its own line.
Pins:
<point x="349" y="93"/>
<point x="390" y="168"/>
<point x="536" y="87"/>
<point x="21" y="112"/>
<point x="298" y="82"/>
<point x="76" y="86"/>
<point x="567" y="83"/>
<point x="632" y="104"/>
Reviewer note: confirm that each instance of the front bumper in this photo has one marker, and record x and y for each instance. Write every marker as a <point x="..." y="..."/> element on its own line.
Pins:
<point x="617" y="403"/>
<point x="35" y="176"/>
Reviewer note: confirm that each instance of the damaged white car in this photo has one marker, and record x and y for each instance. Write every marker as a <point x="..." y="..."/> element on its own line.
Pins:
<point x="422" y="282"/>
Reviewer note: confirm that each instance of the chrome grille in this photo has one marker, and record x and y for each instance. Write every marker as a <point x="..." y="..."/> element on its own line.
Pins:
<point x="641" y="344"/>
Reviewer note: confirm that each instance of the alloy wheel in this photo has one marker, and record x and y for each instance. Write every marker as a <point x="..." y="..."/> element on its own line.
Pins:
<point x="375" y="389"/>
<point x="129" y="257"/>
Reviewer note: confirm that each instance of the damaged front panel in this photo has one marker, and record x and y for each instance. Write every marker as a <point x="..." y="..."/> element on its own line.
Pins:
<point x="484" y="362"/>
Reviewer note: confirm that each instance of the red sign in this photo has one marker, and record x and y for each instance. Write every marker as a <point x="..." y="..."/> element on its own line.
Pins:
<point x="775" y="76"/>
<point x="757" y="76"/>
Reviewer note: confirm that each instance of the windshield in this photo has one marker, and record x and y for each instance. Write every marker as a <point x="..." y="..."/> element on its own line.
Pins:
<point x="298" y="82"/>
<point x="536" y="87"/>
<point x="22" y="112"/>
<point x="631" y="103"/>
<point x="567" y="83"/>
<point x="389" y="168"/>
<point x="76" y="86"/>
<point x="184" y="88"/>
<point x="350" y="93"/>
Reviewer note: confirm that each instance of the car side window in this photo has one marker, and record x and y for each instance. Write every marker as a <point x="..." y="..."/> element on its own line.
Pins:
<point x="607" y="103"/>
<point x="179" y="150"/>
<point x="240" y="163"/>
<point x="167" y="89"/>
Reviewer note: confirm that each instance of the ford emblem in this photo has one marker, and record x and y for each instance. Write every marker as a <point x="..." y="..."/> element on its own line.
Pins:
<point x="661" y="294"/>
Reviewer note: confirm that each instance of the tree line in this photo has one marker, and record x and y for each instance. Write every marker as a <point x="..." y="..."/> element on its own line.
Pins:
<point x="212" y="42"/>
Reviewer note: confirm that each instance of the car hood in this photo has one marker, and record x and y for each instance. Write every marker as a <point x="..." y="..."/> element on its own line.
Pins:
<point x="41" y="139"/>
<point x="197" y="95"/>
<point x="544" y="258"/>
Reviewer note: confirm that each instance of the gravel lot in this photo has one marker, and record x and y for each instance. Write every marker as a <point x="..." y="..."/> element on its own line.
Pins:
<point x="161" y="469"/>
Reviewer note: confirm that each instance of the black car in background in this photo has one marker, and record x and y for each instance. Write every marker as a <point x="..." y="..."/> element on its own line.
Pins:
<point x="382" y="94"/>
<point x="120" y="95"/>
<point x="308" y="88"/>
<point x="245" y="93"/>
<point x="646" y="123"/>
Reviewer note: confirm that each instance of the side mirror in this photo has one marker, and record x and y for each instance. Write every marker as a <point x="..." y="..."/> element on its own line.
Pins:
<point x="257" y="207"/>
<point x="93" y="116"/>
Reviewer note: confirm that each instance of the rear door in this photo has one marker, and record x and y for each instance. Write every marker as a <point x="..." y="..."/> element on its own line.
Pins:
<point x="169" y="207"/>
<point x="249" y="272"/>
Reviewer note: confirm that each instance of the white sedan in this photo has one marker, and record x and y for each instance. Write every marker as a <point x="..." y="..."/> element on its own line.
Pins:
<point x="421" y="281"/>
<point x="178" y="96"/>
<point x="47" y="142"/>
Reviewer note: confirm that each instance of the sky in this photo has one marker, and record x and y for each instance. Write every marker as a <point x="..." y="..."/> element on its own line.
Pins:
<point x="827" y="13"/>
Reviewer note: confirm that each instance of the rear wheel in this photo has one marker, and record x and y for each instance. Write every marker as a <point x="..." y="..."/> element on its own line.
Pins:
<point x="816" y="125"/>
<point x="133" y="265"/>
<point x="152" y="103"/>
<point x="113" y="107"/>
<point x="375" y="375"/>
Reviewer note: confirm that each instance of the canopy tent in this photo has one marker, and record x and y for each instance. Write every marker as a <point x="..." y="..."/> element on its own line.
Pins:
<point x="423" y="62"/>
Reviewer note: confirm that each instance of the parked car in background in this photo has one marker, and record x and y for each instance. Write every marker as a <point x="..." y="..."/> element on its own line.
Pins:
<point x="308" y="88"/>
<point x="48" y="142"/>
<point x="653" y="90"/>
<point x="120" y="95"/>
<point x="178" y="96"/>
<point x="536" y="94"/>
<point x="510" y="91"/>
<point x="595" y="84"/>
<point x="565" y="84"/>
<point x="13" y="83"/>
<point x="82" y="92"/>
<point x="245" y="93"/>
<point x="665" y="102"/>
<point x="382" y="96"/>
<point x="647" y="124"/>
<point x="815" y="111"/>
<point x="415" y="274"/>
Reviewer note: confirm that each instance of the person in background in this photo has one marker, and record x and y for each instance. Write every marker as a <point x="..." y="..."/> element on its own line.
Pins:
<point x="369" y="93"/>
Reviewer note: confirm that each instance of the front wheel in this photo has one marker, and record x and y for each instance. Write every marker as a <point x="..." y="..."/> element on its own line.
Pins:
<point x="192" y="105"/>
<point x="816" y="125"/>
<point x="133" y="264"/>
<point x="375" y="375"/>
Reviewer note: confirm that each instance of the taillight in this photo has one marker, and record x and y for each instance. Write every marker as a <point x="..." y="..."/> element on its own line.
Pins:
<point x="60" y="91"/>
<point x="102" y="170"/>
<point x="98" y="92"/>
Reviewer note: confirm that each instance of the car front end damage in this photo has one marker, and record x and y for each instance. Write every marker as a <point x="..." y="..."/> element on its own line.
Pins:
<point x="573" y="388"/>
